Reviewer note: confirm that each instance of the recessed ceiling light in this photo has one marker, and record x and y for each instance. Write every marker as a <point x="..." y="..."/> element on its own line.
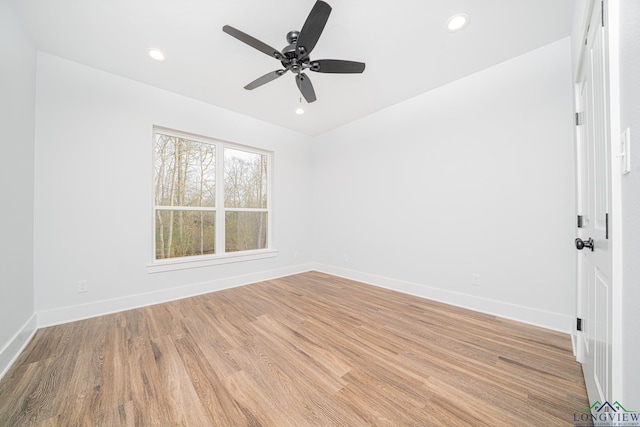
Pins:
<point x="457" y="22"/>
<point x="156" y="54"/>
<point x="299" y="111"/>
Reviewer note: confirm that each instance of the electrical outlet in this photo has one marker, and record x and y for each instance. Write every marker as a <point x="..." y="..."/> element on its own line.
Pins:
<point x="82" y="286"/>
<point x="475" y="279"/>
<point x="345" y="257"/>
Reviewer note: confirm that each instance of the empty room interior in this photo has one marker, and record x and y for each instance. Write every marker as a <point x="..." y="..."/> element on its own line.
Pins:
<point x="424" y="213"/>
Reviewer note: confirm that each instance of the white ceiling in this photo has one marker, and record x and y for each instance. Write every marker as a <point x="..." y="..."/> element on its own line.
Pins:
<point x="404" y="43"/>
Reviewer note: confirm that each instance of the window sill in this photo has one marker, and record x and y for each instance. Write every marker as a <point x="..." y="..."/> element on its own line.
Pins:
<point x="173" y="264"/>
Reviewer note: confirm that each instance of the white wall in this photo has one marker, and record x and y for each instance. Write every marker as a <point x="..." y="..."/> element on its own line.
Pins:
<point x="93" y="192"/>
<point x="473" y="177"/>
<point x="630" y="118"/>
<point x="17" y="117"/>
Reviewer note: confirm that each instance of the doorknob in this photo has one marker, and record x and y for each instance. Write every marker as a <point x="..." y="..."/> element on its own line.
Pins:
<point x="581" y="244"/>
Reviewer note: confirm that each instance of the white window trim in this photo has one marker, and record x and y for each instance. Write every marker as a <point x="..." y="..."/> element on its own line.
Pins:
<point x="181" y="263"/>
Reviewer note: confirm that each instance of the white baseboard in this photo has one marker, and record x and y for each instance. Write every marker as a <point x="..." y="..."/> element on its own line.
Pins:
<point x="99" y="308"/>
<point x="533" y="316"/>
<point x="17" y="344"/>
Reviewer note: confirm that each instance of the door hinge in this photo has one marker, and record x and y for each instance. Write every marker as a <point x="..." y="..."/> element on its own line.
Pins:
<point x="578" y="119"/>
<point x="580" y="221"/>
<point x="606" y="220"/>
<point x="579" y="324"/>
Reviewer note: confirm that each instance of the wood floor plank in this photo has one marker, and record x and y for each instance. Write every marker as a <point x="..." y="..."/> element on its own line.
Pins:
<point x="146" y="383"/>
<point x="304" y="350"/>
<point x="219" y="404"/>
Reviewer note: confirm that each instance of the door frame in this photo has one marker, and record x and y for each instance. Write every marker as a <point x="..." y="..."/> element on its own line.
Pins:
<point x="610" y="9"/>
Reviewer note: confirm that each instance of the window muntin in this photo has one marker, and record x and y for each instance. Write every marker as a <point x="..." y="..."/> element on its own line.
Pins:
<point x="195" y="217"/>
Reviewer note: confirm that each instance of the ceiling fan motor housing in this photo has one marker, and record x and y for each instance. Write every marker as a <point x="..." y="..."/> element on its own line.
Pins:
<point x="291" y="55"/>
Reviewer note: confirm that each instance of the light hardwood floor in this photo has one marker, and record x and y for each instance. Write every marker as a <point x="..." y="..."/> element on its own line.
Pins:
<point x="304" y="350"/>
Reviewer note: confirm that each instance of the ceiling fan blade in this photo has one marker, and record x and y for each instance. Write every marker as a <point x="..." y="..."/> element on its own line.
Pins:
<point x="306" y="88"/>
<point x="265" y="79"/>
<point x="312" y="28"/>
<point x="252" y="41"/>
<point x="337" y="66"/>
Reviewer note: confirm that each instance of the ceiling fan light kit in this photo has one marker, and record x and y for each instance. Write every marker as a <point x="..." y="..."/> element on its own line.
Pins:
<point x="295" y="56"/>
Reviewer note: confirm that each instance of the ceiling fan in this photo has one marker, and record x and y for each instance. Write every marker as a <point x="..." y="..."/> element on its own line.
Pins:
<point x="295" y="56"/>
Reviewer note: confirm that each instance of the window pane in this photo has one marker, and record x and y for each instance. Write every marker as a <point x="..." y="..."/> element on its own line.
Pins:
<point x="245" y="179"/>
<point x="184" y="233"/>
<point x="245" y="231"/>
<point x="184" y="172"/>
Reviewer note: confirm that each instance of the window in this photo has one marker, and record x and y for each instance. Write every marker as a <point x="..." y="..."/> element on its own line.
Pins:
<point x="211" y="198"/>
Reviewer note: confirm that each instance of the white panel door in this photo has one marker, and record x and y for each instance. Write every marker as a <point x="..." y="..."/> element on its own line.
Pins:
<point x="594" y="201"/>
